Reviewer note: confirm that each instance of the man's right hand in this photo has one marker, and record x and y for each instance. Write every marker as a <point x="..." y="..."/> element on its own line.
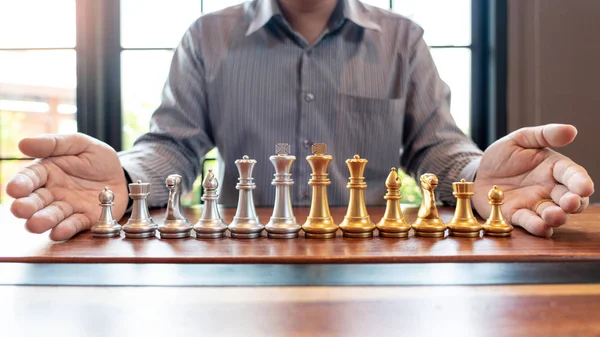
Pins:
<point x="59" y="191"/>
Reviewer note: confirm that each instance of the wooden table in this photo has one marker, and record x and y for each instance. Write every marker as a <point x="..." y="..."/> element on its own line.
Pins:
<point x="522" y="285"/>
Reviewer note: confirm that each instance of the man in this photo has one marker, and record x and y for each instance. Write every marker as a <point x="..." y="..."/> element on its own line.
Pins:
<point x="353" y="76"/>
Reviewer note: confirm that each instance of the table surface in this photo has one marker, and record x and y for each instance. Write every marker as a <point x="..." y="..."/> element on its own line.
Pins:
<point x="164" y="303"/>
<point x="578" y="240"/>
<point x="540" y="310"/>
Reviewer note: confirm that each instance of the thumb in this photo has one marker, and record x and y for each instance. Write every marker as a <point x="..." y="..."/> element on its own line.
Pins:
<point x="52" y="145"/>
<point x="549" y="135"/>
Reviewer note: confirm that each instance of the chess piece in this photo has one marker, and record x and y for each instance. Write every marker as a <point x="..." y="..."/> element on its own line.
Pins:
<point x="463" y="222"/>
<point x="175" y="225"/>
<point x="210" y="225"/>
<point x="319" y="223"/>
<point x="140" y="225"/>
<point x="283" y="223"/>
<point x="106" y="226"/>
<point x="496" y="224"/>
<point x="392" y="223"/>
<point x="357" y="223"/>
<point x="245" y="224"/>
<point x="429" y="223"/>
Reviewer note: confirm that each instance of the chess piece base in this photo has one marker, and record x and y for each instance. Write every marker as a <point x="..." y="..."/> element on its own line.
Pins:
<point x="245" y="235"/>
<point x="430" y="234"/>
<point x="107" y="235"/>
<point x="282" y="235"/>
<point x="358" y="235"/>
<point x="320" y="228"/>
<point x="142" y="235"/>
<point x="465" y="234"/>
<point x="429" y="228"/>
<point x="393" y="234"/>
<point x="216" y="235"/>
<point x="498" y="235"/>
<point x="319" y="235"/>
<point x="499" y="228"/>
<point x="106" y="230"/>
<point x="283" y="228"/>
<point x="181" y="235"/>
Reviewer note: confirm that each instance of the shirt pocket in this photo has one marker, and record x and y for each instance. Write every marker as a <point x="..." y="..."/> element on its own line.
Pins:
<point x="366" y="123"/>
<point x="371" y="105"/>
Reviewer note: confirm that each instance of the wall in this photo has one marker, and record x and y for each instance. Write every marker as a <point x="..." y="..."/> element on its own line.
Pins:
<point x="554" y="72"/>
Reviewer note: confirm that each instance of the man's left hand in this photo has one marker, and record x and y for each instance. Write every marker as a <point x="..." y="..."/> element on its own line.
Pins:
<point x="529" y="172"/>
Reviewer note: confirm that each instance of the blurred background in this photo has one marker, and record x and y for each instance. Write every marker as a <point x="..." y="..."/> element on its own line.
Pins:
<point x="99" y="66"/>
<point x="38" y="64"/>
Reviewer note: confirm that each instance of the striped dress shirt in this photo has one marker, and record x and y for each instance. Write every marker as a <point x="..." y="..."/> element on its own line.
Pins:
<point x="243" y="80"/>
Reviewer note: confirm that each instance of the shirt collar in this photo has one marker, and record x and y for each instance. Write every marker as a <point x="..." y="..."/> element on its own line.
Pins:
<point x="354" y="11"/>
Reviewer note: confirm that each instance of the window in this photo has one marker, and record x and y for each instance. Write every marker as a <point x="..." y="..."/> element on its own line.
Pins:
<point x="124" y="72"/>
<point x="37" y="75"/>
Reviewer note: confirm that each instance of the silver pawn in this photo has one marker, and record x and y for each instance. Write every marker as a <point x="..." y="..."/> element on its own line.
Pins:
<point x="210" y="225"/>
<point x="106" y="226"/>
<point x="283" y="224"/>
<point x="246" y="223"/>
<point x="140" y="225"/>
<point x="175" y="225"/>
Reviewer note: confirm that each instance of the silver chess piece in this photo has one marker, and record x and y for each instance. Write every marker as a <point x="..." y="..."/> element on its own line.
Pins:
<point x="106" y="226"/>
<point x="246" y="223"/>
<point x="283" y="224"/>
<point x="210" y="225"/>
<point x="175" y="225"/>
<point x="140" y="225"/>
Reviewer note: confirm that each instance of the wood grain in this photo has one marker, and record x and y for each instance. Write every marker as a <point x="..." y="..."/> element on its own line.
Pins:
<point x="578" y="240"/>
<point x="550" y="310"/>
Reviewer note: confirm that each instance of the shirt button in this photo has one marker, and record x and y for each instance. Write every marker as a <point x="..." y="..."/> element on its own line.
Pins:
<point x="309" y="97"/>
<point x="306" y="143"/>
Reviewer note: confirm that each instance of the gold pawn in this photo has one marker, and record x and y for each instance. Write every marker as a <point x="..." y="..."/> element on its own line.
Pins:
<point x="392" y="224"/>
<point x="319" y="223"/>
<point x="463" y="222"/>
<point x="428" y="223"/>
<point x="357" y="223"/>
<point x="496" y="224"/>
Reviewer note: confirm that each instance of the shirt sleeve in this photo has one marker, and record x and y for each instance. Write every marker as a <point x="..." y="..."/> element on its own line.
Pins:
<point x="433" y="142"/>
<point x="179" y="133"/>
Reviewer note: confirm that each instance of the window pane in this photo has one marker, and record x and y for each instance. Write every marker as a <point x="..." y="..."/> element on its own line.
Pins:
<point x="156" y="23"/>
<point x="445" y="22"/>
<point x="143" y="77"/>
<point x="454" y="66"/>
<point x="37" y="23"/>
<point x="385" y="4"/>
<point x="215" y="5"/>
<point x="37" y="95"/>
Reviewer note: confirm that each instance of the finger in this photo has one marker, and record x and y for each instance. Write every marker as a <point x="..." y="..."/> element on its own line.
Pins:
<point x="574" y="176"/>
<point x="531" y="222"/>
<point x="552" y="214"/>
<point x="48" y="217"/>
<point x="24" y="208"/>
<point x="70" y="226"/>
<point x="55" y="145"/>
<point x="585" y="202"/>
<point x="566" y="199"/>
<point x="550" y="135"/>
<point x="27" y="180"/>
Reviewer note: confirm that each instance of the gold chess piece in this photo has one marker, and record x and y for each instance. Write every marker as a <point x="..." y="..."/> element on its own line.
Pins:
<point x="428" y="223"/>
<point x="463" y="222"/>
<point x="357" y="223"/>
<point x="392" y="224"/>
<point x="496" y="224"/>
<point x="319" y="223"/>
